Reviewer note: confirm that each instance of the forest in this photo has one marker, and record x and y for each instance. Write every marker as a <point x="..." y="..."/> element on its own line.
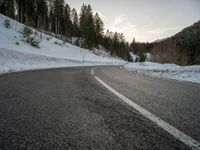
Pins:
<point x="56" y="16"/>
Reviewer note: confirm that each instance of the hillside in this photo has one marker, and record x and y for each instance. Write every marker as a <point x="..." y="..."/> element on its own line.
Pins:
<point x="17" y="54"/>
<point x="182" y="48"/>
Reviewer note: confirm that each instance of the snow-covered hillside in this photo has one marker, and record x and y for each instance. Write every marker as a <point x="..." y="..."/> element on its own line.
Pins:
<point x="16" y="54"/>
<point x="170" y="71"/>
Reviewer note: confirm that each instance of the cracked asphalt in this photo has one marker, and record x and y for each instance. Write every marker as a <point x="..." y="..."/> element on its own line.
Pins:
<point x="68" y="109"/>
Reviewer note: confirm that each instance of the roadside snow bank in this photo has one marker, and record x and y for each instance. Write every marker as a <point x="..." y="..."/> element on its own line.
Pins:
<point x="12" y="61"/>
<point x="170" y="71"/>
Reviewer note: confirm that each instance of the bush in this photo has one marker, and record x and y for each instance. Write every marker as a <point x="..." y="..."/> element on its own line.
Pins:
<point x="7" y="23"/>
<point x="17" y="43"/>
<point x="34" y="43"/>
<point x="26" y="32"/>
<point x="143" y="57"/>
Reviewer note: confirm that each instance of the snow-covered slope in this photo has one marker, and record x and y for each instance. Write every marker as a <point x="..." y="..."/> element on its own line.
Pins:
<point x="170" y="71"/>
<point x="15" y="54"/>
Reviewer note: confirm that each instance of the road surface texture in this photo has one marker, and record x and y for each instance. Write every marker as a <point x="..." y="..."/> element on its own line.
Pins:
<point x="68" y="108"/>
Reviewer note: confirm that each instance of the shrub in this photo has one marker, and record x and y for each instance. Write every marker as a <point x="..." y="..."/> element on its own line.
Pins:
<point x="34" y="43"/>
<point x="26" y="32"/>
<point x="143" y="57"/>
<point x="17" y="43"/>
<point x="7" y="23"/>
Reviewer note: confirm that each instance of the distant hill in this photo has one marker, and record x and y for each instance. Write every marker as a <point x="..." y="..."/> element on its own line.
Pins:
<point x="182" y="48"/>
<point x="158" y="40"/>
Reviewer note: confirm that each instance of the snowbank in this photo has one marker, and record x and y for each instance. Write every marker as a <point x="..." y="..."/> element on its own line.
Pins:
<point x="13" y="61"/>
<point x="170" y="71"/>
<point x="15" y="54"/>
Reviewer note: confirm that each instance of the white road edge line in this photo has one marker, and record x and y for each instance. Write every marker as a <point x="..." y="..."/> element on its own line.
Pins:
<point x="192" y="143"/>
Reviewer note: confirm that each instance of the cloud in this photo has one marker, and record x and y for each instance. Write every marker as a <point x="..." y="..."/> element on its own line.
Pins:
<point x="119" y="19"/>
<point x="122" y="25"/>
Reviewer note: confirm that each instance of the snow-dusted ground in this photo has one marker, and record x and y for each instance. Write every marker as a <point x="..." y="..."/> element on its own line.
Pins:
<point x="15" y="57"/>
<point x="12" y="61"/>
<point x="170" y="71"/>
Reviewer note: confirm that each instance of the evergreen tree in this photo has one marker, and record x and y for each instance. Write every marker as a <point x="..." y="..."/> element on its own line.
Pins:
<point x="74" y="19"/>
<point x="58" y="7"/>
<point x="67" y="21"/>
<point x="82" y="21"/>
<point x="29" y="12"/>
<point x="7" y="8"/>
<point x="98" y="28"/>
<point x="52" y="21"/>
<point x="2" y="7"/>
<point x="90" y="28"/>
<point x="41" y="15"/>
<point x="87" y="26"/>
<point x="20" y="10"/>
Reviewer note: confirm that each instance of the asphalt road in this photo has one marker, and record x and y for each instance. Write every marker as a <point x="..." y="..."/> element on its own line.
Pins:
<point x="68" y="109"/>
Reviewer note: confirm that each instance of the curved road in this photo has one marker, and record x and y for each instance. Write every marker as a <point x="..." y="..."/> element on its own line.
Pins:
<point x="68" y="108"/>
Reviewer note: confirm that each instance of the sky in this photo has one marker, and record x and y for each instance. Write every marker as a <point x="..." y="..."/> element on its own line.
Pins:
<point x="144" y="20"/>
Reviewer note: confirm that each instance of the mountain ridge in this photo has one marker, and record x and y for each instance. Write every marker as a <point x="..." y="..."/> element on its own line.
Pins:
<point x="183" y="48"/>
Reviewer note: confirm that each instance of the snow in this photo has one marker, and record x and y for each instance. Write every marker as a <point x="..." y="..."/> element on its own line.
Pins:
<point x="52" y="53"/>
<point x="170" y="71"/>
<point x="12" y="61"/>
<point x="134" y="57"/>
<point x="149" y="56"/>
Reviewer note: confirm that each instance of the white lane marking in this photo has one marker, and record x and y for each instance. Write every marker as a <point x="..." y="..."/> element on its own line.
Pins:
<point x="193" y="144"/>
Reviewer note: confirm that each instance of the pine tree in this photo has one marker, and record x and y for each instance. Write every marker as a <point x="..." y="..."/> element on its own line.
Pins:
<point x="67" y="21"/>
<point x="82" y="21"/>
<point x="74" y="19"/>
<point x="90" y="28"/>
<point x="7" y="8"/>
<point x="20" y="10"/>
<point x="2" y="7"/>
<point x="29" y="12"/>
<point x="41" y="16"/>
<point x="52" y="25"/>
<point x="87" y="26"/>
<point x="98" y="28"/>
<point x="58" y="14"/>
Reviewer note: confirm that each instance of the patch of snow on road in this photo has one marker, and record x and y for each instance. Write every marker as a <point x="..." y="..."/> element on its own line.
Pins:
<point x="170" y="71"/>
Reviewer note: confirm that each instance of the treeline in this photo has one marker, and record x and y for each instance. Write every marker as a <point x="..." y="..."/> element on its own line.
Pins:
<point x="140" y="47"/>
<point x="57" y="17"/>
<point x="182" y="48"/>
